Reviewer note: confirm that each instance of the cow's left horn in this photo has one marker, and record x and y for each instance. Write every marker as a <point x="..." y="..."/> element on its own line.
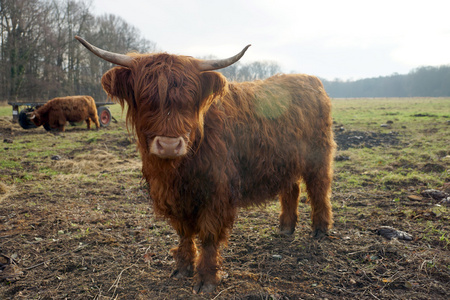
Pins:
<point x="115" y="58"/>
<point x="215" y="64"/>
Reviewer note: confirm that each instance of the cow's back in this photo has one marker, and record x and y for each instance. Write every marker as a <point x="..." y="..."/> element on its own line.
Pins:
<point x="277" y="126"/>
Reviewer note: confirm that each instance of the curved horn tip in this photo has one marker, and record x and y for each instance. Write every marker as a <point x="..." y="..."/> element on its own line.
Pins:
<point x="115" y="58"/>
<point x="245" y="48"/>
<point x="80" y="39"/>
<point x="215" y="64"/>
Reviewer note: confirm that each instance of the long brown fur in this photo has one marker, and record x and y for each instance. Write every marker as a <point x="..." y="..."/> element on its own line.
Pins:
<point x="248" y="142"/>
<point x="58" y="111"/>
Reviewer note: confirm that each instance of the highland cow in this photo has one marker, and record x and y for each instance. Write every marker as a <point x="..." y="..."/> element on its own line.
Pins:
<point x="209" y="146"/>
<point x="57" y="112"/>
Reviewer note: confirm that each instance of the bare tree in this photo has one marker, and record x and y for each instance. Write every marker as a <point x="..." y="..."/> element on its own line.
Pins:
<point x="41" y="58"/>
<point x="21" y="23"/>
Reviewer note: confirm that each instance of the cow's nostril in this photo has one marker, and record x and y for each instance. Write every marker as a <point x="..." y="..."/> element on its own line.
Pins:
<point x="159" y="146"/>
<point x="178" y="147"/>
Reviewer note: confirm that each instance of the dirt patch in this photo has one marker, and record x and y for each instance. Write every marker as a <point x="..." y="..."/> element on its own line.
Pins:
<point x="425" y="115"/>
<point x="364" y="139"/>
<point x="433" y="168"/>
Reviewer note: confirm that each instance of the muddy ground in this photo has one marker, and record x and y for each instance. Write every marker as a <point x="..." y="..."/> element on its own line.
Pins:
<point x="80" y="226"/>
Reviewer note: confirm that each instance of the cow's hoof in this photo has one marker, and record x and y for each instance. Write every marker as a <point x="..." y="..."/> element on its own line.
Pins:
<point x="286" y="231"/>
<point x="181" y="273"/>
<point x="319" y="234"/>
<point x="204" y="287"/>
<point x="208" y="284"/>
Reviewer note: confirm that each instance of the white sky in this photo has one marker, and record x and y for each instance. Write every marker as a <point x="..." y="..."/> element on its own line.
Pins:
<point x="328" y="38"/>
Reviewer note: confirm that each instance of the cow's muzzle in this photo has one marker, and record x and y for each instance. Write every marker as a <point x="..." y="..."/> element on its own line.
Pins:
<point x="168" y="147"/>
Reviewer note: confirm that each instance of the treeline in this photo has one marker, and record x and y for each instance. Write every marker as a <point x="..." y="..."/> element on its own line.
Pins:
<point x="420" y="82"/>
<point x="251" y="71"/>
<point x="39" y="57"/>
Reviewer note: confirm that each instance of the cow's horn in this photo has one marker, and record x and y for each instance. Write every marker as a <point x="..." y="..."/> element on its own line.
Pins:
<point x="215" y="64"/>
<point x="31" y="115"/>
<point x="115" y="58"/>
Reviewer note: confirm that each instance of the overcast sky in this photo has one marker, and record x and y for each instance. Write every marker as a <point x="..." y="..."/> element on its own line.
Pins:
<point x="327" y="38"/>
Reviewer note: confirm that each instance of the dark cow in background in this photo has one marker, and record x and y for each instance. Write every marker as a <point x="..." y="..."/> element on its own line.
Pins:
<point x="209" y="146"/>
<point x="58" y="111"/>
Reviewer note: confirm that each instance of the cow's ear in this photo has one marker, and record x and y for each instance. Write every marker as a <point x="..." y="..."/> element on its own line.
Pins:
<point x="214" y="85"/>
<point x="117" y="84"/>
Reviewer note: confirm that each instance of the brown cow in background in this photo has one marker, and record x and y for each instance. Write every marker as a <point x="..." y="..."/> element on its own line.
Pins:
<point x="209" y="146"/>
<point x="58" y="111"/>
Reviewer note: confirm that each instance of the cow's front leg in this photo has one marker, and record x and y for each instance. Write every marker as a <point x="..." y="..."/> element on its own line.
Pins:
<point x="214" y="230"/>
<point x="207" y="276"/>
<point x="184" y="254"/>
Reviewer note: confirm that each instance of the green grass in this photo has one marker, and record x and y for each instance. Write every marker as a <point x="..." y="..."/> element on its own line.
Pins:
<point x="5" y="110"/>
<point x="423" y="140"/>
<point x="369" y="113"/>
<point x="10" y="164"/>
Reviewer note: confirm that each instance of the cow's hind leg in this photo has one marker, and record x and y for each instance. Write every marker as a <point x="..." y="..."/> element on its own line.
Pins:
<point x="289" y="204"/>
<point x="95" y="120"/>
<point x="88" y="123"/>
<point x="318" y="185"/>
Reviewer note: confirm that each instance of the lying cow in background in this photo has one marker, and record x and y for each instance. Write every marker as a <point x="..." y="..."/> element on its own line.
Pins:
<point x="58" y="111"/>
<point x="209" y="146"/>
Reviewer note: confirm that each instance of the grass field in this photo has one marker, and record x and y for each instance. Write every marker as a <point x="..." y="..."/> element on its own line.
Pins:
<point x="76" y="221"/>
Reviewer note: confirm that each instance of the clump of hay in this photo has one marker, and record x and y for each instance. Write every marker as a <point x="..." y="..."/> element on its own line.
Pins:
<point x="4" y="191"/>
<point x="6" y="124"/>
<point x="3" y="188"/>
<point x="6" y="120"/>
<point x="95" y="161"/>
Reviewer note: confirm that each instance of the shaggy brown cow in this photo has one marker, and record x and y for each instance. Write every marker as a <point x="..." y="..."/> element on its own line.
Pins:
<point x="209" y="146"/>
<point x="58" y="111"/>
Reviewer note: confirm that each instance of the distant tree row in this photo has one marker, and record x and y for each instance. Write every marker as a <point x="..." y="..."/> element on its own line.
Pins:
<point x="251" y="71"/>
<point x="39" y="57"/>
<point x="420" y="82"/>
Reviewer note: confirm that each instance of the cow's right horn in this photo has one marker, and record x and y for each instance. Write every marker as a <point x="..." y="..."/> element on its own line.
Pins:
<point x="31" y="115"/>
<point x="115" y="58"/>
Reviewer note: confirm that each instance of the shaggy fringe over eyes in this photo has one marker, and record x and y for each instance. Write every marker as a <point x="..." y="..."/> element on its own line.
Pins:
<point x="166" y="94"/>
